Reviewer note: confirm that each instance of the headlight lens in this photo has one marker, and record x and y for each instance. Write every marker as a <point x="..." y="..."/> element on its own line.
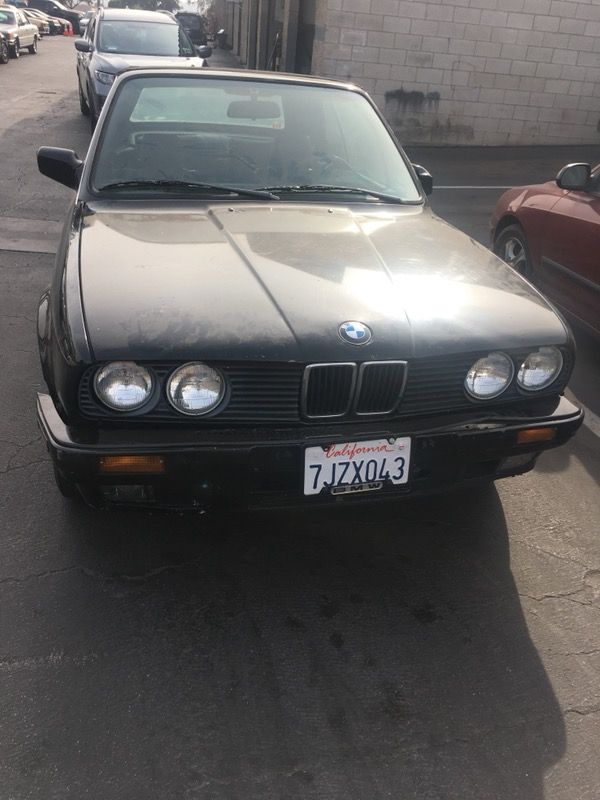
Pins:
<point x="195" y="389"/>
<point x="123" y="385"/>
<point x="489" y="376"/>
<point x="106" y="78"/>
<point x="540" y="368"/>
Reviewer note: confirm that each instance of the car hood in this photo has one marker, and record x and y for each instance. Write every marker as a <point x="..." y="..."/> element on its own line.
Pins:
<point x="118" y="62"/>
<point x="275" y="282"/>
<point x="6" y="28"/>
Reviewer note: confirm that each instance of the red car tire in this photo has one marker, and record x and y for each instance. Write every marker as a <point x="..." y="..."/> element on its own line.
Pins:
<point x="511" y="246"/>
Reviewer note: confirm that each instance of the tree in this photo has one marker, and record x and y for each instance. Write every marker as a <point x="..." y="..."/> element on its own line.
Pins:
<point x="169" y="5"/>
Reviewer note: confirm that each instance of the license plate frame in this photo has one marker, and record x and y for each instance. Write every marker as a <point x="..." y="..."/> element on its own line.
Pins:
<point x="348" y="468"/>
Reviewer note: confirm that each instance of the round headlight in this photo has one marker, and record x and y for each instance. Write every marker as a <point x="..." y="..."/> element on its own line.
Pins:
<point x="195" y="389"/>
<point x="539" y="369"/>
<point x="489" y="376"/>
<point x="123" y="385"/>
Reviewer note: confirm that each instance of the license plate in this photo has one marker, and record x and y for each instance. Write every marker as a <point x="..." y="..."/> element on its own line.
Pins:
<point x="354" y="467"/>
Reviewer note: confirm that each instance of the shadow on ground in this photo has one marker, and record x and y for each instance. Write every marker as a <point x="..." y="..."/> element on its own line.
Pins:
<point x="354" y="654"/>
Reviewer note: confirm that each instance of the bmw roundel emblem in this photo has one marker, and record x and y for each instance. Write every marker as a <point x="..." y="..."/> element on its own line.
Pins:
<point x="355" y="332"/>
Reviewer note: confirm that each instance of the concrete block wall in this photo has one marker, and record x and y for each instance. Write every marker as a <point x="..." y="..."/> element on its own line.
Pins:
<point x="470" y="71"/>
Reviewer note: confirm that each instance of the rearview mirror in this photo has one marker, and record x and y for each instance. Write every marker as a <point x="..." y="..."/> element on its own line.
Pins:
<point x="425" y="178"/>
<point x="575" y="177"/>
<point x="61" y="165"/>
<point x="204" y="51"/>
<point x="83" y="46"/>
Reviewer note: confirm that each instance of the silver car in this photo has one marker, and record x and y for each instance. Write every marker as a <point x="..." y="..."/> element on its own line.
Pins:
<point x="118" y="39"/>
<point x="19" y="32"/>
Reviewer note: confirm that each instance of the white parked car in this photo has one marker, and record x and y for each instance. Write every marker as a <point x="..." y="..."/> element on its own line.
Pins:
<point x="19" y="32"/>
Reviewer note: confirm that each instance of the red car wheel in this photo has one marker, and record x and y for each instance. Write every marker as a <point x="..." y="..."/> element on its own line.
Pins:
<point x="511" y="246"/>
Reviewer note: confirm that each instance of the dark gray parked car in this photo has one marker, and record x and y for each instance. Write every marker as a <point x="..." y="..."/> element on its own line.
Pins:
<point x="118" y="39"/>
<point x="56" y="9"/>
<point x="253" y="302"/>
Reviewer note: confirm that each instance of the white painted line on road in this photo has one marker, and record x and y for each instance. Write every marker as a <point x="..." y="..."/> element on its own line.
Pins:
<point x="473" y="187"/>
<point x="591" y="420"/>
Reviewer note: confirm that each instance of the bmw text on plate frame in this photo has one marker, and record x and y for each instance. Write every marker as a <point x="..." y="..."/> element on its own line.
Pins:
<point x="248" y="388"/>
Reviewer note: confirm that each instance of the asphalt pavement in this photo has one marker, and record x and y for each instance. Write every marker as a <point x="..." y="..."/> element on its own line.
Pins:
<point x="441" y="649"/>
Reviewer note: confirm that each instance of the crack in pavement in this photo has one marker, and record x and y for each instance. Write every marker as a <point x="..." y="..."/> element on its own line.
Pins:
<point x="583" y="712"/>
<point x="90" y="573"/>
<point x="17" y="316"/>
<point x="16" y="467"/>
<point x="21" y="446"/>
<point x="36" y="575"/>
<point x="593" y="652"/>
<point x="566" y="559"/>
<point x="10" y="467"/>
<point x="54" y="659"/>
<point x="561" y="596"/>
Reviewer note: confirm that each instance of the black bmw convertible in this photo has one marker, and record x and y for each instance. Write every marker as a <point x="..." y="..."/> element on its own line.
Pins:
<point x="253" y="303"/>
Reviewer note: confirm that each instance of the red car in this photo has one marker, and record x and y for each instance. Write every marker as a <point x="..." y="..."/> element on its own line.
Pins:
<point x="550" y="233"/>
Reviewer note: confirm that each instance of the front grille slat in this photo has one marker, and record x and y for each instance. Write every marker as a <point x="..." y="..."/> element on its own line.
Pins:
<point x="327" y="390"/>
<point x="380" y="387"/>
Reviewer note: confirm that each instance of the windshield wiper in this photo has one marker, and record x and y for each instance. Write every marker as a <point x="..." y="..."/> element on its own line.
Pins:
<point x="323" y="188"/>
<point x="260" y="194"/>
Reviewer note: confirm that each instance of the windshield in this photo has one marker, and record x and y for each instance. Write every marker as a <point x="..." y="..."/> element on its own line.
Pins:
<point x="251" y="134"/>
<point x="132" y="37"/>
<point x="7" y="18"/>
<point x="191" y="20"/>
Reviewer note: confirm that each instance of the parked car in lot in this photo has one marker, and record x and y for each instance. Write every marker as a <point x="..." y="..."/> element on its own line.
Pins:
<point x="19" y="32"/>
<point x="117" y="39"/>
<point x="54" y="26"/>
<point x="193" y="25"/>
<point x="550" y="234"/>
<point x="4" y="50"/>
<point x="55" y="9"/>
<point x="254" y="303"/>
<point x="41" y="24"/>
<point x="84" y="21"/>
<point x="66" y="25"/>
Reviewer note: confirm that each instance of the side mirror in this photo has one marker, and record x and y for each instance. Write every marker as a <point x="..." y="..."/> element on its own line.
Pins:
<point x="425" y="178"/>
<point x="575" y="177"/>
<point x="61" y="165"/>
<point x="83" y="46"/>
<point x="204" y="51"/>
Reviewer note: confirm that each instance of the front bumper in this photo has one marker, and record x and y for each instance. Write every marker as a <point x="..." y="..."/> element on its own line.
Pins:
<point x="264" y="467"/>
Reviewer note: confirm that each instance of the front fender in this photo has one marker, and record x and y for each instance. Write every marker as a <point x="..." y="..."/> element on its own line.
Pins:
<point x="62" y="335"/>
<point x="508" y="205"/>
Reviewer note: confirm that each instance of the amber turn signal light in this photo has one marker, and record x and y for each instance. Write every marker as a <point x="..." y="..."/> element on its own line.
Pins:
<point x="532" y="435"/>
<point x="146" y="465"/>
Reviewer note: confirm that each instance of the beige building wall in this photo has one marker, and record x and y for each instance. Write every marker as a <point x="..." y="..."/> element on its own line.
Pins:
<point x="470" y="71"/>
